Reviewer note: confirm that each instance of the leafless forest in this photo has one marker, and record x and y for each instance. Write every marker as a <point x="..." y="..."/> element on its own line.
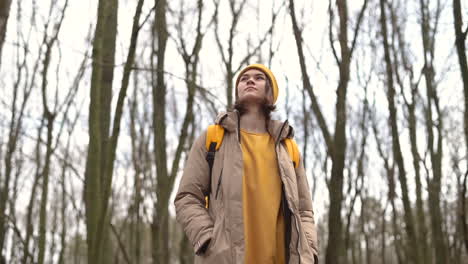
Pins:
<point x="100" y="101"/>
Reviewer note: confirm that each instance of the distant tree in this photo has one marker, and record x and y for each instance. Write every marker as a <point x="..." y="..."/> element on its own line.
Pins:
<point x="434" y="122"/>
<point x="21" y="94"/>
<point x="403" y="66"/>
<point x="49" y="115"/>
<point x="396" y="145"/>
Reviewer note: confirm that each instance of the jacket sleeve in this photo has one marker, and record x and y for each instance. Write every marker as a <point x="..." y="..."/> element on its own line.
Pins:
<point x="190" y="201"/>
<point x="306" y="210"/>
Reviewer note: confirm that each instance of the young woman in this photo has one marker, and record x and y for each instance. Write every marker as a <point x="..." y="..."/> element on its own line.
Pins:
<point x="260" y="209"/>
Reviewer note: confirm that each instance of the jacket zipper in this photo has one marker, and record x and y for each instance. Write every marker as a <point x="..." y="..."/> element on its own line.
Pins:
<point x="219" y="184"/>
<point x="295" y="219"/>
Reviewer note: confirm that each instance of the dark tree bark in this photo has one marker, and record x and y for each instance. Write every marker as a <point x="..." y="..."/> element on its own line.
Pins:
<point x="4" y="14"/>
<point x="460" y="38"/>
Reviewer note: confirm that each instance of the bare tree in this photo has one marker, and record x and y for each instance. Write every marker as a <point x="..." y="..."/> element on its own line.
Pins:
<point x="103" y="141"/>
<point x="356" y="183"/>
<point x="434" y="126"/>
<point x="140" y="134"/>
<point x="389" y="169"/>
<point x="397" y="153"/>
<point x="49" y="116"/>
<point x="401" y="56"/>
<point x="336" y="144"/>
<point x="165" y="178"/>
<point x="21" y="94"/>
<point x="29" y="225"/>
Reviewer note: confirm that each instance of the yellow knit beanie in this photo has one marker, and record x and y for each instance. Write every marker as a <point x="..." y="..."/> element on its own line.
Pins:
<point x="268" y="73"/>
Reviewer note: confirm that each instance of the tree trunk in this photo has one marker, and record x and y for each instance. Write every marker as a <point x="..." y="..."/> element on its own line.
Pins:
<point x="102" y="147"/>
<point x="460" y="38"/>
<point x="140" y="151"/>
<point x="96" y="199"/>
<point x="4" y="14"/>
<point x="49" y="117"/>
<point x="421" y="218"/>
<point x="160" y="224"/>
<point x="413" y="128"/>
<point x="397" y="154"/>
<point x="435" y="148"/>
<point x="383" y="233"/>
<point x="336" y="145"/>
<point x="165" y="180"/>
<point x="63" y="205"/>
<point x="45" y="188"/>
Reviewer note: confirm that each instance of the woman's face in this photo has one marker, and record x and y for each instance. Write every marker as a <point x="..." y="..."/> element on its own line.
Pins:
<point x="252" y="86"/>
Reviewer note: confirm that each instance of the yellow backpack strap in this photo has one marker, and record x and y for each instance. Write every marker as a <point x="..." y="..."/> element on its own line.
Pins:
<point x="293" y="151"/>
<point x="214" y="138"/>
<point x="214" y="134"/>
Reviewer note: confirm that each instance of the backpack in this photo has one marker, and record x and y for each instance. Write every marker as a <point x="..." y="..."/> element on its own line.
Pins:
<point x="214" y="139"/>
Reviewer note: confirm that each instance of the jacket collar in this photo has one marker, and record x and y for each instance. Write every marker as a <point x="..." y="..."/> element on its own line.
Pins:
<point x="277" y="129"/>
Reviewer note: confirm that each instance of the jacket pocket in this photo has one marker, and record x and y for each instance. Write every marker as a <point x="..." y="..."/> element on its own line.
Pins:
<point x="219" y="184"/>
<point x="218" y="250"/>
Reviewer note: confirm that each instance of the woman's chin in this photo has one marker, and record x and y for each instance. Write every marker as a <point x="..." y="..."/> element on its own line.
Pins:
<point x="251" y="99"/>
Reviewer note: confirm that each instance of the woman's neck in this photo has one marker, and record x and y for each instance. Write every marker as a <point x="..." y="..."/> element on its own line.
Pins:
<point x="254" y="120"/>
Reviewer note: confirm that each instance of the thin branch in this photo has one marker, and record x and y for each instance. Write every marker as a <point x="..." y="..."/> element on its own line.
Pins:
<point x="121" y="244"/>
<point x="330" y="32"/>
<point x="358" y="26"/>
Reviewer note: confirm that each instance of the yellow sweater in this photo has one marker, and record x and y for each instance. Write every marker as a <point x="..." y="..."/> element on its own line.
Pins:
<point x="263" y="220"/>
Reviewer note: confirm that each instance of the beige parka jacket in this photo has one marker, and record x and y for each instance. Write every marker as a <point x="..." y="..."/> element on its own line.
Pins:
<point x="222" y="222"/>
